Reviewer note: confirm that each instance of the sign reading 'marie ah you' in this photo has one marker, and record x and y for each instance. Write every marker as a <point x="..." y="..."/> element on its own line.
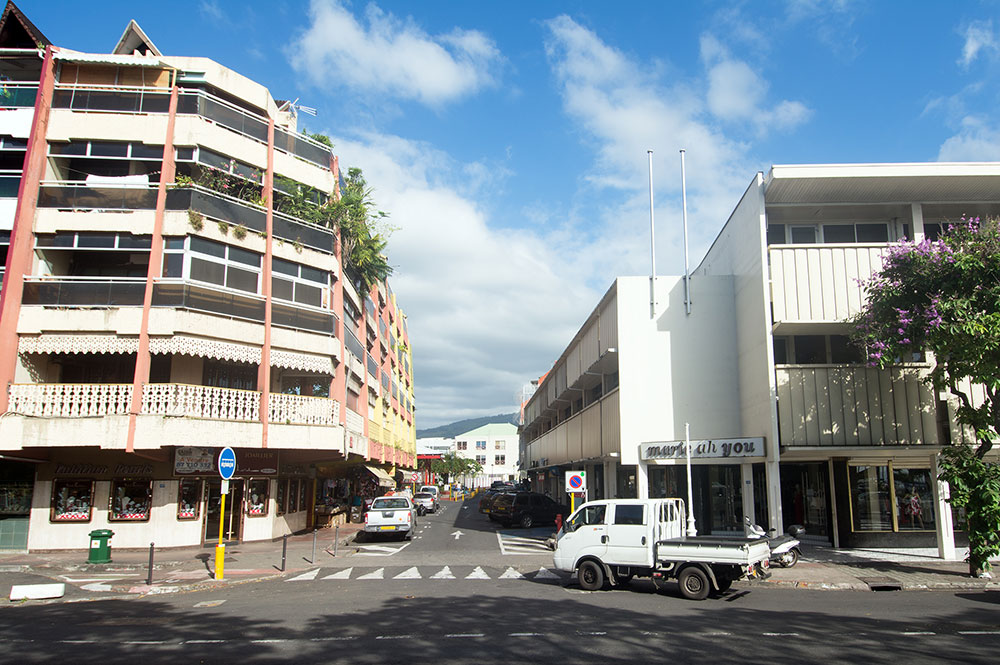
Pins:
<point x="705" y="448"/>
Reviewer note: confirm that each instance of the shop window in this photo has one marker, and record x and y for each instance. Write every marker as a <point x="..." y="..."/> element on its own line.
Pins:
<point x="280" y="499"/>
<point x="257" y="497"/>
<point x="188" y="499"/>
<point x="293" y="495"/>
<point x="130" y="500"/>
<point x="914" y="499"/>
<point x="72" y="500"/>
<point x="871" y="498"/>
<point x="905" y="504"/>
<point x="303" y="487"/>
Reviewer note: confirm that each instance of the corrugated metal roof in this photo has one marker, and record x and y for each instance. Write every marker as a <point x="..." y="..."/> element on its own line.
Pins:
<point x="111" y="59"/>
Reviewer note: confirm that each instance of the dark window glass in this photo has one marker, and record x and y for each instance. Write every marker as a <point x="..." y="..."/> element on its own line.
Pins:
<point x="842" y="351"/>
<point x="207" y="271"/>
<point x="185" y="154"/>
<point x="71" y="148"/>
<point x="780" y="350"/>
<point x="314" y="275"/>
<point x="803" y="235"/>
<point x="285" y="267"/>
<point x="188" y="498"/>
<point x="873" y="233"/>
<point x="775" y="234"/>
<point x="308" y="295"/>
<point x="281" y="288"/>
<point x="143" y="151"/>
<point x="628" y="513"/>
<point x="932" y="231"/>
<point x="56" y="240"/>
<point x="173" y="265"/>
<point x="173" y="243"/>
<point x="244" y="257"/>
<point x="95" y="240"/>
<point x="135" y="242"/>
<point x="14" y="143"/>
<point x="108" y="149"/>
<point x="244" y="280"/>
<point x="810" y="349"/>
<point x="214" y="159"/>
<point x="203" y="246"/>
<point x="838" y="233"/>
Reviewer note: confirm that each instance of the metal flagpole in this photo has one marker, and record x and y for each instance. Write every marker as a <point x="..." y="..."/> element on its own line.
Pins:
<point x="691" y="530"/>
<point x="652" y="240"/>
<point x="684" y="216"/>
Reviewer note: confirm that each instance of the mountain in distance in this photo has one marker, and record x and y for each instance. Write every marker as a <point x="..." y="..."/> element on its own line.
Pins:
<point x="452" y="430"/>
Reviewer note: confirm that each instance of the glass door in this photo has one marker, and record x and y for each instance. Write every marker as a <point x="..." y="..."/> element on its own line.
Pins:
<point x="804" y="497"/>
<point x="232" y="521"/>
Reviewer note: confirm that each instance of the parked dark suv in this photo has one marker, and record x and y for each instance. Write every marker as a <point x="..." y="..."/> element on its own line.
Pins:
<point x="526" y="509"/>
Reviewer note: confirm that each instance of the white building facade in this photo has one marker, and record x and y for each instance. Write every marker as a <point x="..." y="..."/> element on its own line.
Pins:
<point x="495" y="447"/>
<point x="788" y="424"/>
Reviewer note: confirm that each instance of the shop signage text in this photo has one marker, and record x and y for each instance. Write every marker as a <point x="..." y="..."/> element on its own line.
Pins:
<point x="750" y="447"/>
<point x="198" y="461"/>
<point x="103" y="469"/>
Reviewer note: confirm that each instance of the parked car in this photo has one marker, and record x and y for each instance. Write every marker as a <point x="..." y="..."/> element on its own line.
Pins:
<point x="526" y="509"/>
<point x="425" y="502"/>
<point x="391" y="514"/>
<point x="502" y="485"/>
<point x="486" y="500"/>
<point x="430" y="489"/>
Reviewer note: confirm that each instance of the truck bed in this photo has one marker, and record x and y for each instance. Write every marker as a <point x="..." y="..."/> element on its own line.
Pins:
<point x="712" y="549"/>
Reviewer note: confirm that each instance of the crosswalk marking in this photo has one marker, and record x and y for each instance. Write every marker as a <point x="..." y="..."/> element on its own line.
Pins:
<point x="525" y="543"/>
<point x="380" y="550"/>
<point x="409" y="574"/>
<point x="546" y="574"/>
<point x="443" y="574"/>
<point x="304" y="577"/>
<point x="511" y="574"/>
<point x="344" y="574"/>
<point x="374" y="575"/>
<point x="477" y="574"/>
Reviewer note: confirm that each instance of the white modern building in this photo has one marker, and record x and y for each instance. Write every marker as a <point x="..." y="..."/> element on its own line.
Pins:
<point x="787" y="422"/>
<point x="495" y="447"/>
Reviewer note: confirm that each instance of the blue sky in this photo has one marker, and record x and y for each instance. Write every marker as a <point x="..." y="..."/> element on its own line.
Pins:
<point x="508" y="140"/>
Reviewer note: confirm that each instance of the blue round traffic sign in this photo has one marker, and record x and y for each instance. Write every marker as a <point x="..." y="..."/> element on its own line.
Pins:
<point x="576" y="482"/>
<point x="227" y="463"/>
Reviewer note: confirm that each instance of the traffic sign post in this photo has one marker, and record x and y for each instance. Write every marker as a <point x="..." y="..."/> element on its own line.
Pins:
<point x="227" y="467"/>
<point x="576" y="482"/>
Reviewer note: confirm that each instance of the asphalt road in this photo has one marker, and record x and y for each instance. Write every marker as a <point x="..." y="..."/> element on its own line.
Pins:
<point x="345" y="612"/>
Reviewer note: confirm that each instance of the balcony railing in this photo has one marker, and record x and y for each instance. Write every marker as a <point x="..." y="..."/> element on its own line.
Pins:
<point x="210" y="402"/>
<point x="17" y="96"/>
<point x="207" y="299"/>
<point x="299" y="409"/>
<point x="354" y="421"/>
<point x="70" y="400"/>
<point x="80" y="196"/>
<point x="84" y="291"/>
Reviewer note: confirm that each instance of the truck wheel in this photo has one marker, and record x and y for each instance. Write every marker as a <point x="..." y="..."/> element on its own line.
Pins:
<point x="694" y="583"/>
<point x="590" y="576"/>
<point x="526" y="521"/>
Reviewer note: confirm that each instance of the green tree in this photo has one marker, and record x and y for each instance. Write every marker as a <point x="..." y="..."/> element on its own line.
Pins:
<point x="363" y="231"/>
<point x="454" y="466"/>
<point x="943" y="296"/>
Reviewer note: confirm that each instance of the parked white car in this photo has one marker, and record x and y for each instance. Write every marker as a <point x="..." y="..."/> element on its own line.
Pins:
<point x="430" y="489"/>
<point x="391" y="514"/>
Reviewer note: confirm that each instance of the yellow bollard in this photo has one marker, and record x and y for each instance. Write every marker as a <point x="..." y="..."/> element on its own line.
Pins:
<point x="220" y="560"/>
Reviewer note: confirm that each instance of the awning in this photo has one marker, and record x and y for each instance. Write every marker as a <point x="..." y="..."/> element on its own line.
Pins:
<point x="384" y="479"/>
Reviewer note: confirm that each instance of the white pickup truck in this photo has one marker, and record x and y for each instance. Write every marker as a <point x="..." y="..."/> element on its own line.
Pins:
<point x="391" y="514"/>
<point x="616" y="540"/>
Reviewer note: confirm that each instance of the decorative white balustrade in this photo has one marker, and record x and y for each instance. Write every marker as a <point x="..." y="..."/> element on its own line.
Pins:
<point x="70" y="400"/>
<point x="354" y="421"/>
<point x="180" y="399"/>
<point x="301" y="410"/>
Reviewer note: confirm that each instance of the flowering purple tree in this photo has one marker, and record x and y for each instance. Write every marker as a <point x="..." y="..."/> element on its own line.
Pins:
<point x="943" y="296"/>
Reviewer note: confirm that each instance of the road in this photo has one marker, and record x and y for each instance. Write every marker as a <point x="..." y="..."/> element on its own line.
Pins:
<point x="390" y="602"/>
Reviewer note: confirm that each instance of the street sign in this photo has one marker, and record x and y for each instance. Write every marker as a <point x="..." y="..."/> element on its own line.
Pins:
<point x="576" y="482"/>
<point x="414" y="476"/>
<point x="227" y="463"/>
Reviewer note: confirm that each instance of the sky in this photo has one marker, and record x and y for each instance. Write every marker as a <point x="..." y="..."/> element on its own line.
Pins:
<point x="508" y="140"/>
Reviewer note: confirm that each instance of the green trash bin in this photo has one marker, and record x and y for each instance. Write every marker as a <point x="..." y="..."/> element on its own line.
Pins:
<point x="100" y="546"/>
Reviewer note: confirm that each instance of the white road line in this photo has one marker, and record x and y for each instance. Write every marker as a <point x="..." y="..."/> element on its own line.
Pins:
<point x="273" y="641"/>
<point x="524" y="634"/>
<point x="393" y="637"/>
<point x="466" y="635"/>
<point x="546" y="574"/>
<point x="209" y="603"/>
<point x="595" y="632"/>
<point x="918" y="632"/>
<point x="143" y="642"/>
<point x="979" y="632"/>
<point x="305" y="577"/>
<point x="374" y="575"/>
<point x="332" y="639"/>
<point x="779" y="634"/>
<point x="443" y="574"/>
<point x="477" y="574"/>
<point x="204" y="642"/>
<point x="344" y="574"/>
<point x="511" y="574"/>
<point x="409" y="574"/>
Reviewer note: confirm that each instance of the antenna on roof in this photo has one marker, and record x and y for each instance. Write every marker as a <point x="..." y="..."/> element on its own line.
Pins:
<point x="295" y="107"/>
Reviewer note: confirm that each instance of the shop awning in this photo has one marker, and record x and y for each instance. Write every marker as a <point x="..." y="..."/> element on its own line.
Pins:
<point x="384" y="479"/>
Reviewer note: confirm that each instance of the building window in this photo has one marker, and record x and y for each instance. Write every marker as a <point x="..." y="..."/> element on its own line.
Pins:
<point x="500" y="445"/>
<point x="224" y="265"/>
<point x="130" y="500"/>
<point x="810" y="349"/>
<point x="500" y="459"/>
<point x="72" y="500"/>
<point x="188" y="498"/>
<point x="481" y="459"/>
<point x="257" y="497"/>
<point x="803" y="235"/>
<point x="904" y="504"/>
<point x="480" y="445"/>
<point x="462" y="445"/>
<point x="298" y="283"/>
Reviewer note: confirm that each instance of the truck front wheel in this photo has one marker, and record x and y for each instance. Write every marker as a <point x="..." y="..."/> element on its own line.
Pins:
<point x="590" y="576"/>
<point x="694" y="583"/>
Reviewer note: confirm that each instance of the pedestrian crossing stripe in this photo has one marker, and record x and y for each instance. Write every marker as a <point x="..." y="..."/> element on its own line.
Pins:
<point x="344" y="574"/>
<point x="443" y="574"/>
<point x="511" y="574"/>
<point x="374" y="575"/>
<point x="546" y="574"/>
<point x="304" y="577"/>
<point x="409" y="574"/>
<point x="477" y="574"/>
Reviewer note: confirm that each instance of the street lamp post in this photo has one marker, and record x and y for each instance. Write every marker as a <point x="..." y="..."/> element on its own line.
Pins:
<point x="691" y="530"/>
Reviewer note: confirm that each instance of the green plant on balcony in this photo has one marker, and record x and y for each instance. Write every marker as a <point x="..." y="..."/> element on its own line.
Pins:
<point x="223" y="182"/>
<point x="240" y="232"/>
<point x="223" y="227"/>
<point x="196" y="220"/>
<point x="363" y="231"/>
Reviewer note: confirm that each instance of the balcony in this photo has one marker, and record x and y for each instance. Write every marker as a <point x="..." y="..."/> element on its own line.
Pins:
<point x="593" y="433"/>
<point x="68" y="291"/>
<point x="853" y="405"/>
<point x="70" y="400"/>
<point x="820" y="283"/>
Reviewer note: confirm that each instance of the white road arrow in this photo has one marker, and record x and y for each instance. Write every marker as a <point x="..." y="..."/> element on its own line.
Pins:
<point x="457" y="534"/>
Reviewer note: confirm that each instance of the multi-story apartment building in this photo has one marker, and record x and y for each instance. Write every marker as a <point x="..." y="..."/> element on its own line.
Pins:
<point x="495" y="447"/>
<point x="168" y="291"/>
<point x="788" y="423"/>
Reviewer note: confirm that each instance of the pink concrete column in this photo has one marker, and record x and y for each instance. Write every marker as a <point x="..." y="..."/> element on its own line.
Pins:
<point x="338" y="387"/>
<point x="22" y="237"/>
<point x="264" y="371"/>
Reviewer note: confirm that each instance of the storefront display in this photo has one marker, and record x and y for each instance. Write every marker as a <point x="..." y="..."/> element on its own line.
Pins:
<point x="15" y="497"/>
<point x="281" y="496"/>
<point x="906" y="503"/>
<point x="130" y="500"/>
<point x="257" y="497"/>
<point x="71" y="500"/>
<point x="188" y="498"/>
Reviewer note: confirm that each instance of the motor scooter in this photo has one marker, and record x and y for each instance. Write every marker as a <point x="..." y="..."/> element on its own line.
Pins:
<point x="785" y="548"/>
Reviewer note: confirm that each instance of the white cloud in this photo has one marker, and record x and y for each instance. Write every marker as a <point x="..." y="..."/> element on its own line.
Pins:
<point x="979" y="39"/>
<point x="976" y="141"/>
<point x="390" y="56"/>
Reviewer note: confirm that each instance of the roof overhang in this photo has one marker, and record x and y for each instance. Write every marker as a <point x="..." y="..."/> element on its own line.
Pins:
<point x="111" y="59"/>
<point x="932" y="182"/>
